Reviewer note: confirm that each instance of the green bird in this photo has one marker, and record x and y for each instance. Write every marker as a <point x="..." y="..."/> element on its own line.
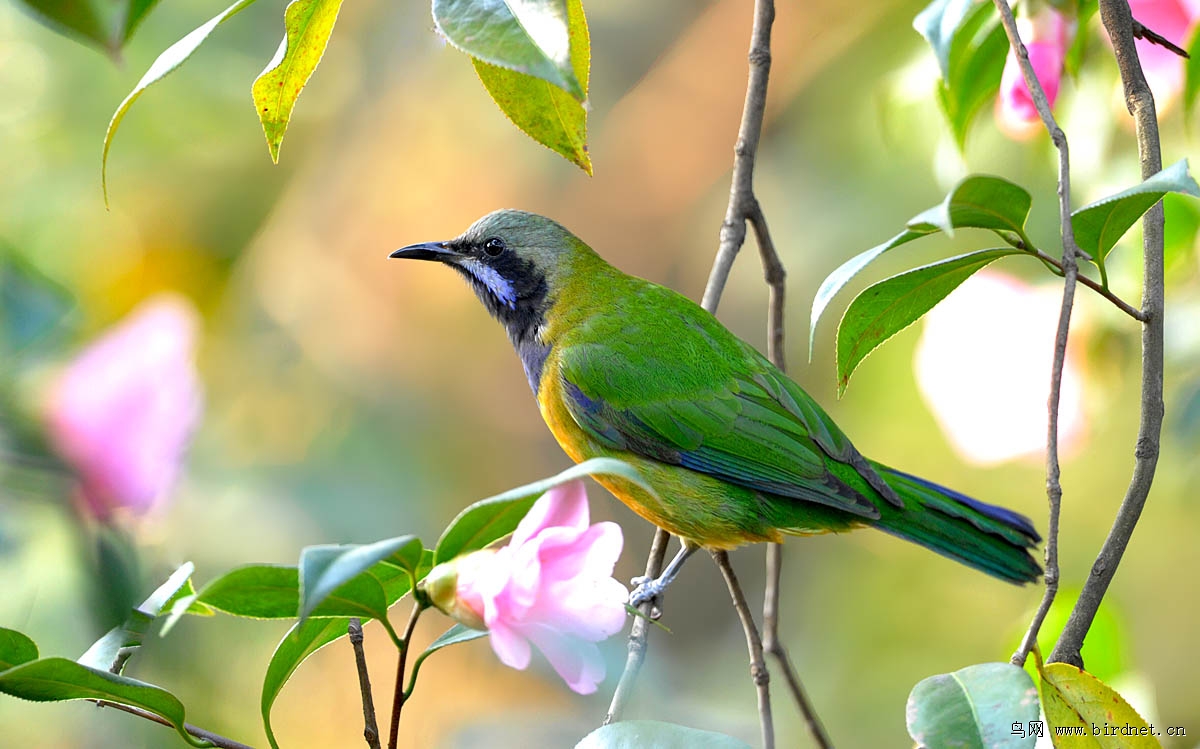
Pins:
<point x="734" y="450"/>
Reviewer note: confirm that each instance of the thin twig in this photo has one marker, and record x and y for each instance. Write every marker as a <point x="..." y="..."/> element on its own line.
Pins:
<point x="370" y="726"/>
<point x="398" y="696"/>
<point x="1152" y="36"/>
<point x="774" y="647"/>
<point x="742" y="203"/>
<point x="638" y="633"/>
<point x="1070" y="271"/>
<point x="744" y="207"/>
<point x="215" y="739"/>
<point x="772" y="644"/>
<point x="1140" y="101"/>
<point x="758" y="667"/>
<point x="1120" y="303"/>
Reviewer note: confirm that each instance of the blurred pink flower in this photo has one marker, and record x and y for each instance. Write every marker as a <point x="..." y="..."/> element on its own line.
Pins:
<point x="122" y="412"/>
<point x="1174" y="19"/>
<point x="983" y="367"/>
<point x="552" y="586"/>
<point x="1047" y="35"/>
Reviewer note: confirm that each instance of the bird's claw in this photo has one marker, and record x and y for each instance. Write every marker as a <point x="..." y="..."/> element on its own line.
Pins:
<point x="647" y="590"/>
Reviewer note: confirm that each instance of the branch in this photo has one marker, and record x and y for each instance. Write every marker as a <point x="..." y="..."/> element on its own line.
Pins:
<point x="775" y="275"/>
<point x="1120" y="26"/>
<point x="370" y="726"/>
<point x="1070" y="271"/>
<point x="1152" y="36"/>
<point x="638" y="633"/>
<point x="758" y="668"/>
<point x="742" y="203"/>
<point x="398" y="696"/>
<point x="213" y="738"/>
<point x="1117" y="301"/>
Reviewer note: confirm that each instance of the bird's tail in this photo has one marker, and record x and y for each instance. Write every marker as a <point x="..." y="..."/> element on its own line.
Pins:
<point x="992" y="539"/>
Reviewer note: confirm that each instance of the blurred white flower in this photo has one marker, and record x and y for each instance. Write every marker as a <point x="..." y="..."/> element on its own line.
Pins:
<point x="983" y="367"/>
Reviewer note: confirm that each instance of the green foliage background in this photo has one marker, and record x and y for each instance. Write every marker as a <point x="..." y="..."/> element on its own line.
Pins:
<point x="350" y="399"/>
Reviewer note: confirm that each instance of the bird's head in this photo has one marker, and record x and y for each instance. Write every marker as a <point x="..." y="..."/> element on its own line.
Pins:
<point x="513" y="259"/>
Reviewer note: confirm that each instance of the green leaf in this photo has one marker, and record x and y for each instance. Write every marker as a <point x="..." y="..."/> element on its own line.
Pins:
<point x="979" y="201"/>
<point x="15" y="649"/>
<point x="975" y="66"/>
<point x="938" y="23"/>
<point x="308" y="24"/>
<point x="57" y="679"/>
<point x="1099" y="225"/>
<point x="168" y="61"/>
<point x="834" y="282"/>
<point x="1074" y="699"/>
<point x="409" y="558"/>
<point x="112" y="651"/>
<point x="490" y="519"/>
<point x="331" y="570"/>
<point x="301" y="641"/>
<point x="458" y="633"/>
<point x="397" y="579"/>
<point x="528" y="36"/>
<point x="85" y="20"/>
<point x="134" y="15"/>
<point x="634" y="734"/>
<point x="106" y="25"/>
<point x="257" y="591"/>
<point x="973" y="708"/>
<point x="1191" y="83"/>
<point x="886" y="308"/>
<point x="545" y="112"/>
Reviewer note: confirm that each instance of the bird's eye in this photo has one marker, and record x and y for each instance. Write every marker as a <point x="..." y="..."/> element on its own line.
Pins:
<point x="494" y="247"/>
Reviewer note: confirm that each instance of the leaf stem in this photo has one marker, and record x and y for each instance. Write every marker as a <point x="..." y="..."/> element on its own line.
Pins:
<point x="1100" y="288"/>
<point x="214" y="739"/>
<point x="398" y="695"/>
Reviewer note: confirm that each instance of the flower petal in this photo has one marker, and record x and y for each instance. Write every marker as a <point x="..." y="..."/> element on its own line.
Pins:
<point x="564" y="505"/>
<point x="578" y="662"/>
<point x="510" y="646"/>
<point x="592" y="553"/>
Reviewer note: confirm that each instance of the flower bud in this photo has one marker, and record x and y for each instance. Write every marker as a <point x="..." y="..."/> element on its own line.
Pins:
<point x="440" y="587"/>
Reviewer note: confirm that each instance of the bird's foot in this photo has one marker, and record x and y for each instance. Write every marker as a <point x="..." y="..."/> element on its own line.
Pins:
<point x="647" y="590"/>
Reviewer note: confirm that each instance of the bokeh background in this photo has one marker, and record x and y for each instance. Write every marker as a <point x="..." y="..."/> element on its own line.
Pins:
<point x="349" y="399"/>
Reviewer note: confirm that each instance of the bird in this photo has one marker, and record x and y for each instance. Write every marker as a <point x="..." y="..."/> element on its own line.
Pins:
<point x="733" y="451"/>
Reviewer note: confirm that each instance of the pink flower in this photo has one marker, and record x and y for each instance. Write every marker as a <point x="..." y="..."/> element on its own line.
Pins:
<point x="1047" y="35"/>
<point x="122" y="412"/>
<point x="1174" y="19"/>
<point x="552" y="586"/>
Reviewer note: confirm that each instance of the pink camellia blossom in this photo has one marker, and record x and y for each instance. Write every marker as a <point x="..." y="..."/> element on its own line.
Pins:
<point x="1047" y="35"/>
<point x="1174" y="19"/>
<point x="551" y="586"/>
<point x="122" y="412"/>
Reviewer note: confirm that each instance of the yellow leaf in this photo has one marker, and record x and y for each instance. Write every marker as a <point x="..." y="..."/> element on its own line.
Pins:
<point x="1085" y="713"/>
<point x="309" y="24"/>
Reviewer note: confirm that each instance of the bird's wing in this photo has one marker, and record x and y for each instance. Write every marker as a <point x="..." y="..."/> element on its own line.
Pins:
<point x="699" y="412"/>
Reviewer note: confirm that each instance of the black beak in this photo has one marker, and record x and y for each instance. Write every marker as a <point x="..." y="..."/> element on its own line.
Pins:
<point x="424" y="251"/>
